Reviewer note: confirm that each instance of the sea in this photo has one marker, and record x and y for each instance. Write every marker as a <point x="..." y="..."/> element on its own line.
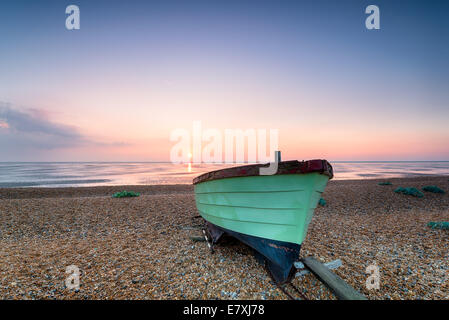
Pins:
<point x="77" y="174"/>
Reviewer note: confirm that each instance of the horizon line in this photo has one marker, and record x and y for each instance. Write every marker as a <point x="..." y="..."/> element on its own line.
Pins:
<point x="196" y="163"/>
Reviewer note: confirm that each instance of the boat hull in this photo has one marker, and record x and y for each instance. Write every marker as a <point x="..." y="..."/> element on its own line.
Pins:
<point x="277" y="207"/>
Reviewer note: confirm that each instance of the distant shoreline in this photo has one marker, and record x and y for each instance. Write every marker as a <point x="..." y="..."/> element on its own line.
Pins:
<point x="23" y="192"/>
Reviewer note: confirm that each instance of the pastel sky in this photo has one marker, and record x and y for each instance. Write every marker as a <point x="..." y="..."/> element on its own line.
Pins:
<point x="137" y="70"/>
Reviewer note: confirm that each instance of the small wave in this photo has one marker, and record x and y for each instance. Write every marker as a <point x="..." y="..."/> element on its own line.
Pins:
<point x="50" y="183"/>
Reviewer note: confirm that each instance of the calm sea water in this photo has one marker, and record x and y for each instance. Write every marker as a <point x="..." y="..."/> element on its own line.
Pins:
<point x="59" y="174"/>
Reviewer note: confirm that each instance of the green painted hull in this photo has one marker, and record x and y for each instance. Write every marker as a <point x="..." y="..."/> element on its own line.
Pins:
<point x="276" y="207"/>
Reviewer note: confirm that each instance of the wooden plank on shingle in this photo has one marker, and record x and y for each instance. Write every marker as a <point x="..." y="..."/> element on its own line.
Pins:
<point x="337" y="285"/>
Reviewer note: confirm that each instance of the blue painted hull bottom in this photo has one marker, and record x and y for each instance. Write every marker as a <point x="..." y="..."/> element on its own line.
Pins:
<point x="278" y="256"/>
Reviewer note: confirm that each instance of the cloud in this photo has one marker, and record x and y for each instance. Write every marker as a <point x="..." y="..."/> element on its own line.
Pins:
<point x="30" y="121"/>
<point x="28" y="132"/>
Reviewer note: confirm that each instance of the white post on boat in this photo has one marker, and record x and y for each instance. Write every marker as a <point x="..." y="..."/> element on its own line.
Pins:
<point x="273" y="167"/>
<point x="277" y="156"/>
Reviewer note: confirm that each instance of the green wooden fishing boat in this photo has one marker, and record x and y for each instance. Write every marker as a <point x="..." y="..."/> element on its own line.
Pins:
<point x="270" y="213"/>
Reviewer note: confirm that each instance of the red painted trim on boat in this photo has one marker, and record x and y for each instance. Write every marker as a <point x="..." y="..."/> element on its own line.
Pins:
<point x="284" y="167"/>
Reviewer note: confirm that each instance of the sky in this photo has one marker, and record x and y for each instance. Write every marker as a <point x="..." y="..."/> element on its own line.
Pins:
<point x="135" y="71"/>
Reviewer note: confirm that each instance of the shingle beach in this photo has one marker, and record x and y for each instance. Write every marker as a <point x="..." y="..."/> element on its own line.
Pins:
<point x="141" y="248"/>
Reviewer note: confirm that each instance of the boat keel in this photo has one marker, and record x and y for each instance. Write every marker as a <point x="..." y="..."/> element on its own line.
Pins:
<point x="278" y="256"/>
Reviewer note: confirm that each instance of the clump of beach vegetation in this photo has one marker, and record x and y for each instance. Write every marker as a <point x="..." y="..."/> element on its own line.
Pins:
<point x="433" y="189"/>
<point x="439" y="225"/>
<point x="125" y="194"/>
<point x="322" y="202"/>
<point x="410" y="191"/>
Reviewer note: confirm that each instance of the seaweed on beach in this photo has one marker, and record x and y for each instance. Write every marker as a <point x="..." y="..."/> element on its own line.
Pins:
<point x="439" y="225"/>
<point x="410" y="191"/>
<point x="322" y="202"/>
<point x="386" y="183"/>
<point x="125" y="194"/>
<point x="433" y="189"/>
